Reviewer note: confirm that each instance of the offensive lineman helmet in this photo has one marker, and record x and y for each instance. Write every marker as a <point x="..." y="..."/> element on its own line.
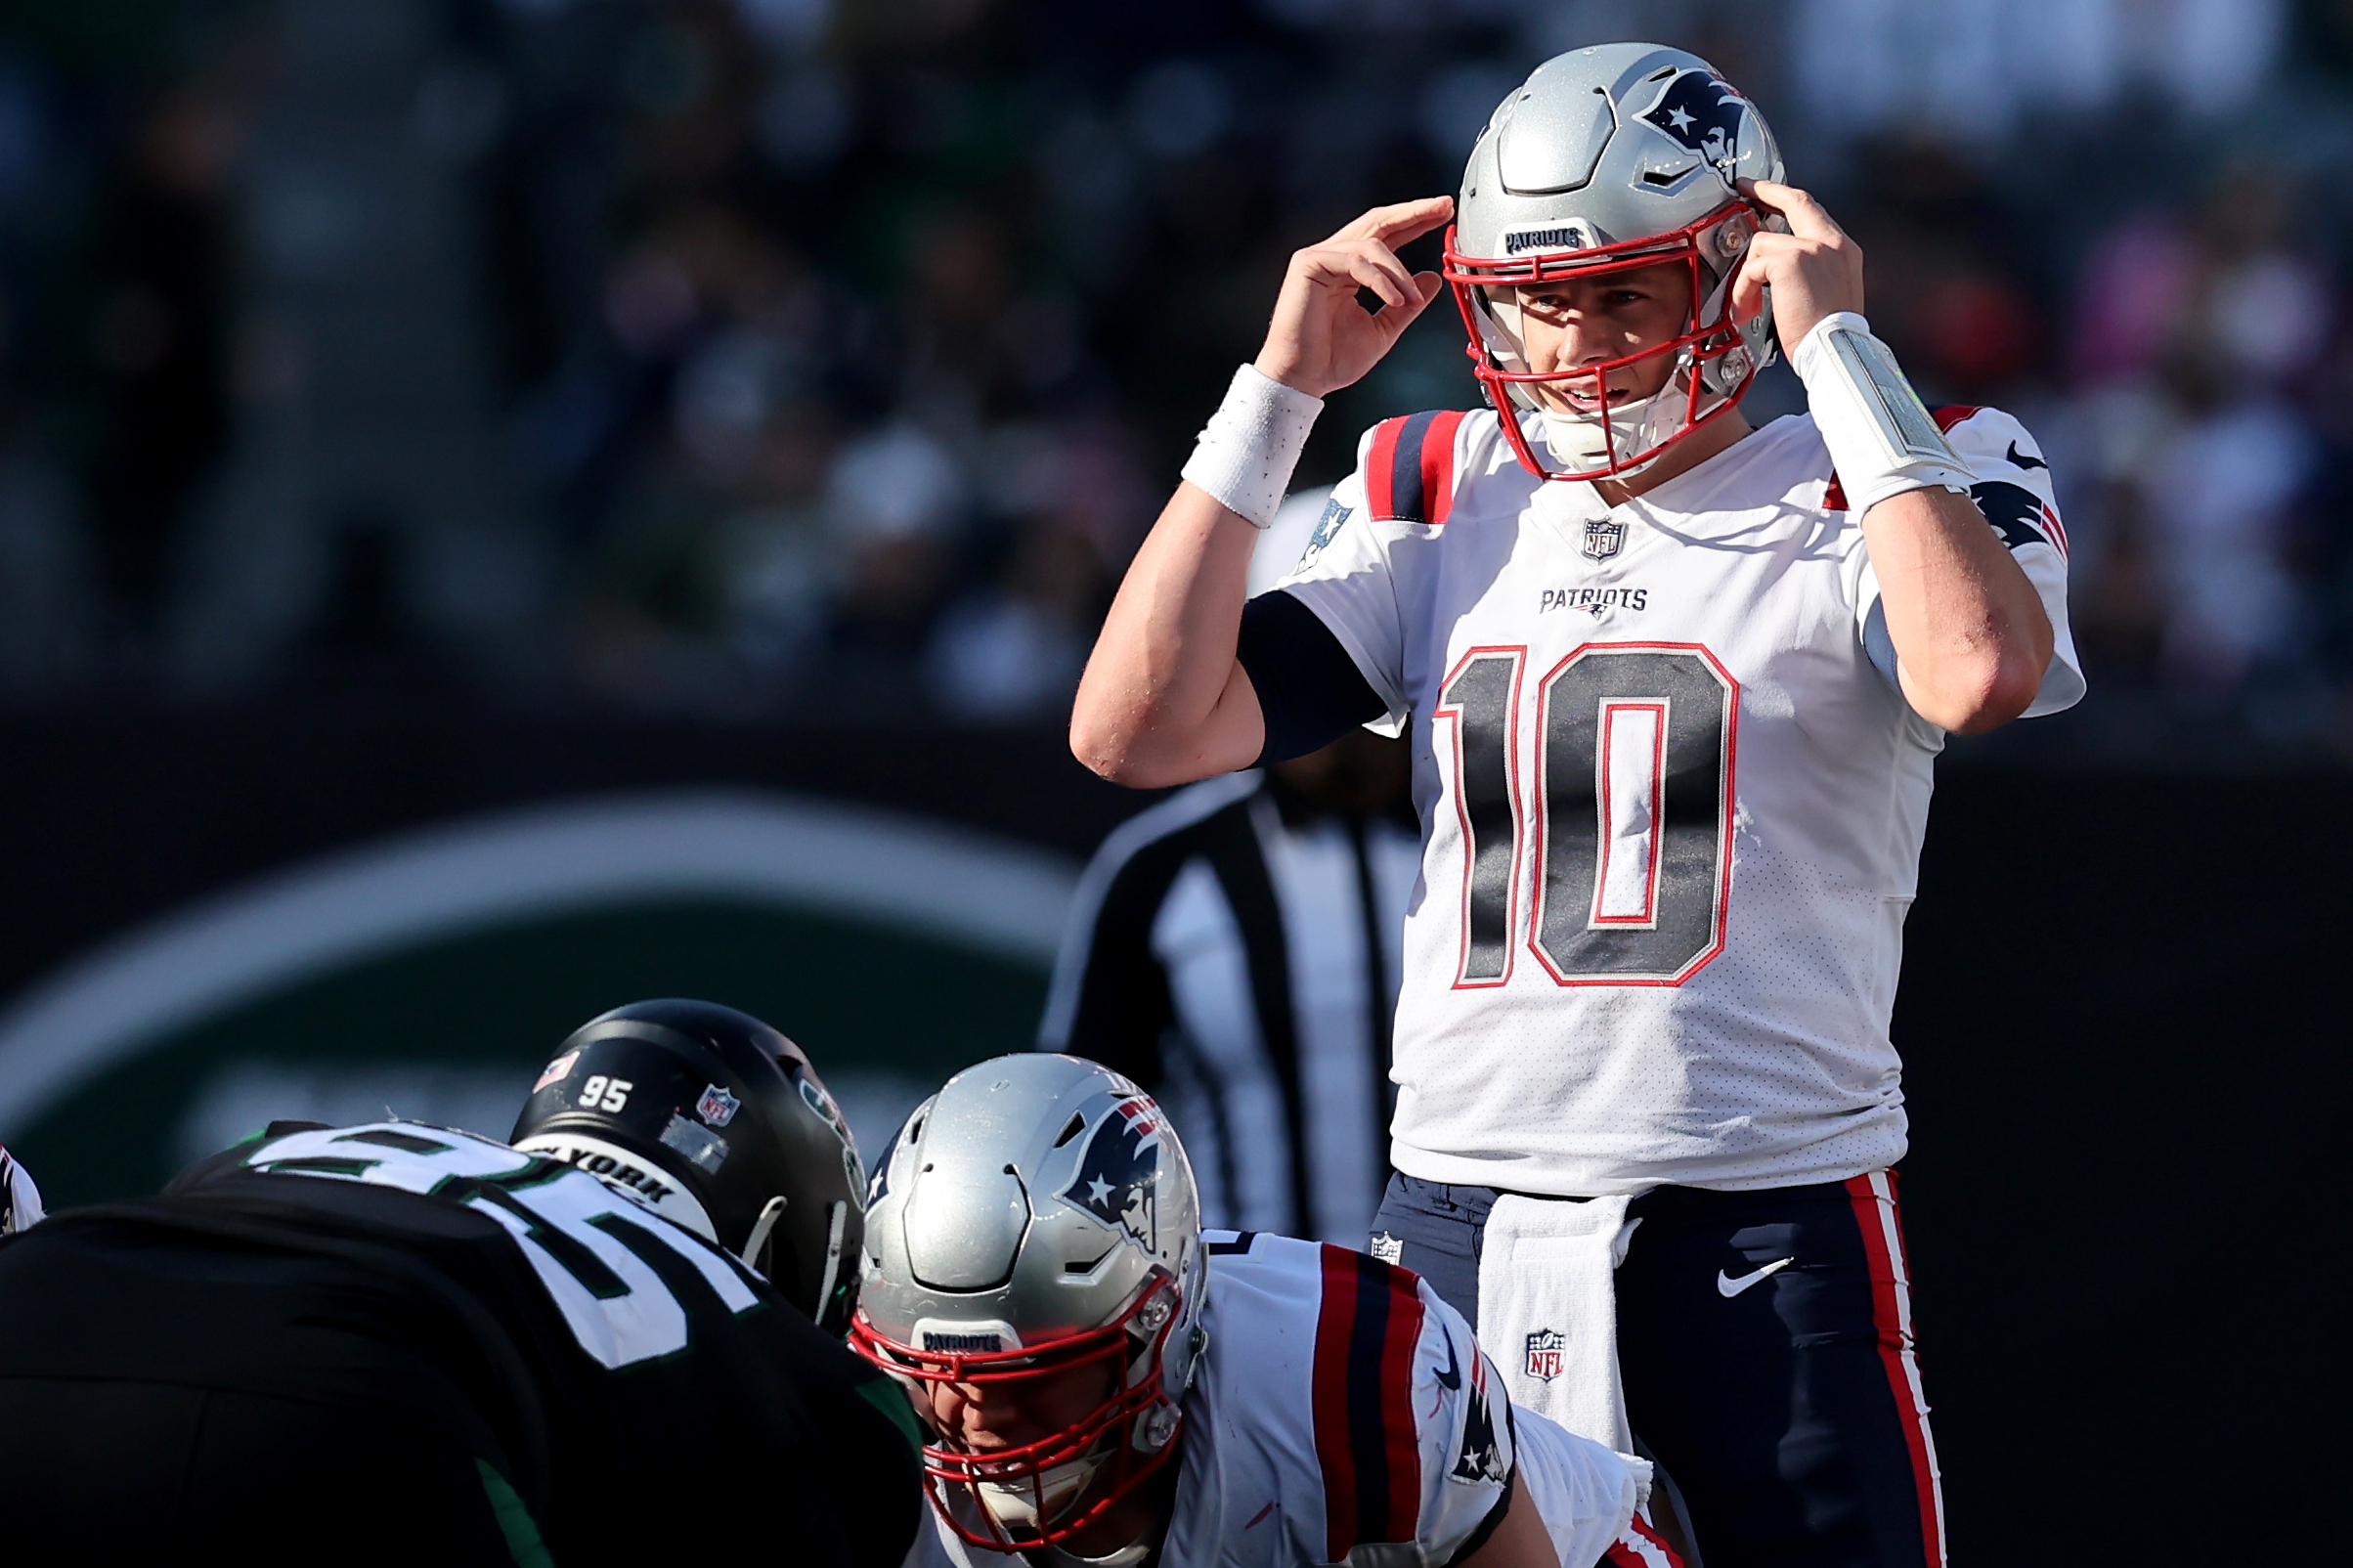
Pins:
<point x="719" y="1123"/>
<point x="1607" y="159"/>
<point x="1035" y="1216"/>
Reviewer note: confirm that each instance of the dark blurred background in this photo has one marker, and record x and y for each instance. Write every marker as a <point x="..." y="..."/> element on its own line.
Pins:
<point x="758" y="359"/>
<point x="416" y="409"/>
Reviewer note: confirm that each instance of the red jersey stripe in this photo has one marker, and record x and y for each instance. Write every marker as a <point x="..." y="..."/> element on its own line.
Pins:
<point x="1873" y="1197"/>
<point x="1438" y="464"/>
<point x="1336" y="1324"/>
<point x="1380" y="467"/>
<point x="1366" y="1437"/>
<point x="1639" y="1546"/>
<point x="1400" y="1436"/>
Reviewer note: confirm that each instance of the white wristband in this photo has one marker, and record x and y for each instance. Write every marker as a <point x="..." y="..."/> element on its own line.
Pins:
<point x="1881" y="441"/>
<point x="1250" y="445"/>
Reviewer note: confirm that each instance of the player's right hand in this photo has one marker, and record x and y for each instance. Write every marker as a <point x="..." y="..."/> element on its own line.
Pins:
<point x="1321" y="339"/>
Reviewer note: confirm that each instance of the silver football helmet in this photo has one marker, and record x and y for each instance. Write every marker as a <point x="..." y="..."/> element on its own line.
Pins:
<point x="1035" y="1216"/>
<point x="1607" y="159"/>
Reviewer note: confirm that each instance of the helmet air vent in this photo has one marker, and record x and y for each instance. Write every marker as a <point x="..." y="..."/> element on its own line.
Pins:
<point x="1072" y="1128"/>
<point x="1553" y="141"/>
<point x="963" y="1231"/>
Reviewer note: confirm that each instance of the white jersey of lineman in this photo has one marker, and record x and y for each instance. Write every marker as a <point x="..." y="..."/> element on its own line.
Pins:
<point x="1342" y="1413"/>
<point x="1671" y="800"/>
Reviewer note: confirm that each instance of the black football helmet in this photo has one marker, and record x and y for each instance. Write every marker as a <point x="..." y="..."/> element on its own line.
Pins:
<point x="720" y="1122"/>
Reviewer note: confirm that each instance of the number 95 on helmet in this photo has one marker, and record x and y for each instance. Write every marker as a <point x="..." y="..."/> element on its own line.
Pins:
<point x="1035" y="1225"/>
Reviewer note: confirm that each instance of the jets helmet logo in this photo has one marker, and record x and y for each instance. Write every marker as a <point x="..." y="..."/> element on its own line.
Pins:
<point x="1119" y="1173"/>
<point x="1703" y="114"/>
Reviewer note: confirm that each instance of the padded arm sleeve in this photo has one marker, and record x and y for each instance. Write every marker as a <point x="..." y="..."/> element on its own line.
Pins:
<point x="1309" y="689"/>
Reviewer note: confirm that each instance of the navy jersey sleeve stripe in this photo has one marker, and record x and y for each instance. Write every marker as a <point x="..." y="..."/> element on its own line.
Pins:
<point x="1310" y="692"/>
<point x="1405" y="470"/>
<point x="1367" y="1441"/>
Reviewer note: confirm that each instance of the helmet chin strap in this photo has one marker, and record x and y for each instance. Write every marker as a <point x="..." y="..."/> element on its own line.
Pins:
<point x="1034" y="1508"/>
<point x="1581" y="441"/>
<point x="1578" y="441"/>
<point x="762" y="1229"/>
<point x="833" y="1229"/>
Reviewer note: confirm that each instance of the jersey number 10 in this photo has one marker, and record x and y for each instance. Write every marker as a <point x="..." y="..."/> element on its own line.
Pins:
<point x="1629" y="830"/>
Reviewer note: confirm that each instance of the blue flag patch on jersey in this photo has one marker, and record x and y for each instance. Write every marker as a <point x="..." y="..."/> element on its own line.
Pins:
<point x="1327" y="527"/>
<point x="1119" y="1173"/>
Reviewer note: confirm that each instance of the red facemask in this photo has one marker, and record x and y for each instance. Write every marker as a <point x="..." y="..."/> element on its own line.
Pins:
<point x="1708" y="353"/>
<point x="957" y="1475"/>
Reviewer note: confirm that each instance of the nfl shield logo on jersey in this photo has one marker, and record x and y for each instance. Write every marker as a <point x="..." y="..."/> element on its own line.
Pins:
<point x="1544" y="1347"/>
<point x="1602" y="536"/>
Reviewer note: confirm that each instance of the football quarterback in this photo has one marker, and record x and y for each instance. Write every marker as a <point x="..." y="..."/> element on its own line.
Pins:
<point x="1105" y="1382"/>
<point x="1675" y="687"/>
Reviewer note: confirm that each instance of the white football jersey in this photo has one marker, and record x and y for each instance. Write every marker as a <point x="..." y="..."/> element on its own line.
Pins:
<point x="1671" y="800"/>
<point x="1342" y="1413"/>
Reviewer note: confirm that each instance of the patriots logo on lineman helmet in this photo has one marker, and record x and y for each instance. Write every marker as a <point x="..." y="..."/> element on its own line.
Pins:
<point x="1703" y="114"/>
<point x="1119" y="1173"/>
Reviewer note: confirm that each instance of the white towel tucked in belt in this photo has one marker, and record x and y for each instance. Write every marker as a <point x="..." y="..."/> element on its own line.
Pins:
<point x="1548" y="1309"/>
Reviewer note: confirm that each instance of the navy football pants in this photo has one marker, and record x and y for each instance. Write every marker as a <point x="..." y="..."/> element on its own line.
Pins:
<point x="1788" y="1411"/>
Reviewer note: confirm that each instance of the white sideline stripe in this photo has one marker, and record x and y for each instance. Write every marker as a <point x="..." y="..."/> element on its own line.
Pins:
<point x="1900" y="1267"/>
<point x="946" y="883"/>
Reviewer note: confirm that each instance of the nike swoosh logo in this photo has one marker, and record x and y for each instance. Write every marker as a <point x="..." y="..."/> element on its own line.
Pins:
<point x="1452" y="1377"/>
<point x="2022" y="459"/>
<point x="1729" y="1288"/>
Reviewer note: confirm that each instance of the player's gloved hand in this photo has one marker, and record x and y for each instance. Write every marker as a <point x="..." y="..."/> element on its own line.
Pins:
<point x="1815" y="270"/>
<point x="1321" y="339"/>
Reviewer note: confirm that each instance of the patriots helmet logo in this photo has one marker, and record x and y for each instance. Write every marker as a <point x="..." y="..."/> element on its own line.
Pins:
<point x="1119" y="1172"/>
<point x="1702" y="113"/>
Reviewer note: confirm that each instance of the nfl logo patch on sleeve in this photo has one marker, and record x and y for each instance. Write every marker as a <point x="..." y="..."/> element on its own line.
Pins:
<point x="1545" y="1348"/>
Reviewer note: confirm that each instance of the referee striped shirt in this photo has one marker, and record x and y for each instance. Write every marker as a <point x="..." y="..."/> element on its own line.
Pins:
<point x="1235" y="950"/>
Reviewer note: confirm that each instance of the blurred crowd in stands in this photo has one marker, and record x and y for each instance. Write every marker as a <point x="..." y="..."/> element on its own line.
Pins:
<point x="757" y="357"/>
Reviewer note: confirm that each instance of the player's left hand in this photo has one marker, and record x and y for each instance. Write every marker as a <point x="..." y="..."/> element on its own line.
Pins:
<point x="1815" y="270"/>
